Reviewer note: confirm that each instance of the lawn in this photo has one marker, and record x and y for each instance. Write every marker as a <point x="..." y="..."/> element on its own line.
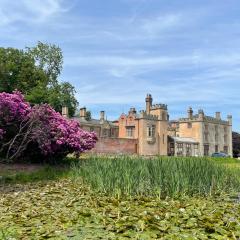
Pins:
<point x="77" y="202"/>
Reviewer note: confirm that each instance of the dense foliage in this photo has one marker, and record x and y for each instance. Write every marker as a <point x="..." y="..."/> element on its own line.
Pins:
<point x="38" y="131"/>
<point x="236" y="144"/>
<point x="35" y="73"/>
<point x="160" y="176"/>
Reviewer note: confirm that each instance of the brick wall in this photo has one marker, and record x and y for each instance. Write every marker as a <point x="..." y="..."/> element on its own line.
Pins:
<point x="116" y="146"/>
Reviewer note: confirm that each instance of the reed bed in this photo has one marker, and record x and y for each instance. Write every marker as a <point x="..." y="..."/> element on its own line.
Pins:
<point x="161" y="176"/>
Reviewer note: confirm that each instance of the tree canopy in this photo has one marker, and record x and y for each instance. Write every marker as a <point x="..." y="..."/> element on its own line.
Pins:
<point x="35" y="71"/>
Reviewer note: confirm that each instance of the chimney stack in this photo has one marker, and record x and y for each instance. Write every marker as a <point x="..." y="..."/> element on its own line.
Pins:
<point x="148" y="101"/>
<point x="190" y="113"/>
<point x="201" y="114"/>
<point x="83" y="113"/>
<point x="229" y="117"/>
<point x="132" y="110"/>
<point x="65" y="111"/>
<point x="102" y="116"/>
<point x="218" y="115"/>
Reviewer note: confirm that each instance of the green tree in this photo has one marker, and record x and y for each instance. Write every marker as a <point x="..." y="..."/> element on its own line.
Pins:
<point x="88" y="116"/>
<point x="18" y="71"/>
<point x="35" y="73"/>
<point x="48" y="57"/>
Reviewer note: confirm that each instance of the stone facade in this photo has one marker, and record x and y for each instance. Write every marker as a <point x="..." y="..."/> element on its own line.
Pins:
<point x="212" y="133"/>
<point x="148" y="127"/>
<point x="149" y="132"/>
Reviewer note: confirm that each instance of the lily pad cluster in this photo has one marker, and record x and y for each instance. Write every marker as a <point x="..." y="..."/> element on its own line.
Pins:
<point x="68" y="209"/>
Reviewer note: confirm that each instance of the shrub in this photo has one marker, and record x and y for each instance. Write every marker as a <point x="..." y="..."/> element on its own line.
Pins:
<point x="38" y="132"/>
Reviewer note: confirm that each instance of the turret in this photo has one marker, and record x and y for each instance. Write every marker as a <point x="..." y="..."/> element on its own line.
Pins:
<point x="148" y="101"/>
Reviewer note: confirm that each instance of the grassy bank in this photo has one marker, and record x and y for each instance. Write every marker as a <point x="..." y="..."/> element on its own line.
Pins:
<point x="38" y="174"/>
<point x="157" y="177"/>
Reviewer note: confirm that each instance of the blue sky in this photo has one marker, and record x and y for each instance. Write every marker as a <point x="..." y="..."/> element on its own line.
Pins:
<point x="185" y="53"/>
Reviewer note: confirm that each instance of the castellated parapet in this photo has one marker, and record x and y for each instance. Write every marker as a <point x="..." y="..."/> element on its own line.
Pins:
<point x="159" y="106"/>
<point x="143" y="114"/>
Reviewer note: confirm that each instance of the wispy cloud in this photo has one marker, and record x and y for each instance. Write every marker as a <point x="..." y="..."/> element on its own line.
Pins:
<point x="161" y="23"/>
<point x="28" y="11"/>
<point x="184" y="53"/>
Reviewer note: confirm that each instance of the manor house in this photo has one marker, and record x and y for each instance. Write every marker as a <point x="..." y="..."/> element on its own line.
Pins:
<point x="150" y="132"/>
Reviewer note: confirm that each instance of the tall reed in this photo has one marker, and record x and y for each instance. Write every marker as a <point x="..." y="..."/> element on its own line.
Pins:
<point x="160" y="176"/>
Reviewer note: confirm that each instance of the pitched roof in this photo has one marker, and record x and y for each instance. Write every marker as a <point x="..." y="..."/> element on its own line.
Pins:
<point x="94" y="121"/>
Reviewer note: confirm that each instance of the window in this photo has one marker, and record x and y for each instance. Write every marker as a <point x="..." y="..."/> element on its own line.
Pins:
<point x="216" y="148"/>
<point x="225" y="129"/>
<point x="91" y="129"/>
<point x="206" y="150"/>
<point x="179" y="149"/>
<point x="225" y="149"/>
<point x="206" y="137"/>
<point x="188" y="149"/>
<point x="206" y="128"/>
<point x="225" y="138"/>
<point x="189" y="125"/>
<point x="130" y="131"/>
<point x="112" y="132"/>
<point x="196" y="149"/>
<point x="151" y="131"/>
<point x="163" y="138"/>
<point x="171" y="149"/>
<point x="105" y="133"/>
<point x="216" y="137"/>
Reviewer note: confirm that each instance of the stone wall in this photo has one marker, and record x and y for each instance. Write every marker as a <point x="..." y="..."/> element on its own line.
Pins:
<point x="116" y="146"/>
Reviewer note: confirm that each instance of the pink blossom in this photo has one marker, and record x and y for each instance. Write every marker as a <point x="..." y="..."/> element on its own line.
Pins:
<point x="50" y="132"/>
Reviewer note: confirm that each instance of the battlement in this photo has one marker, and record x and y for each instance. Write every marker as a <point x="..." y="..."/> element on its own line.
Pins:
<point x="143" y="114"/>
<point x="205" y="118"/>
<point x="159" y="106"/>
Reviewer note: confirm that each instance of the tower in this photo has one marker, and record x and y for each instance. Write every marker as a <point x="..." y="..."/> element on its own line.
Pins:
<point x="148" y="101"/>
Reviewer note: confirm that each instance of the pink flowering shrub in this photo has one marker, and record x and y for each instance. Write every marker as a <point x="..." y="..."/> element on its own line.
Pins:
<point x="1" y="133"/>
<point x="38" y="131"/>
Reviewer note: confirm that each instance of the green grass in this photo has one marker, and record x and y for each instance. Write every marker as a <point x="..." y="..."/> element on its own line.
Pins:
<point x="160" y="176"/>
<point x="44" y="174"/>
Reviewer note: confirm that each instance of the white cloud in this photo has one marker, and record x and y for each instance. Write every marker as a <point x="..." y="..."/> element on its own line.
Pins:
<point x="156" y="25"/>
<point x="29" y="11"/>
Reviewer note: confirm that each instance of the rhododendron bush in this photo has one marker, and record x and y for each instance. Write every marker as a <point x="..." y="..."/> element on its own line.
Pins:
<point x="38" y="131"/>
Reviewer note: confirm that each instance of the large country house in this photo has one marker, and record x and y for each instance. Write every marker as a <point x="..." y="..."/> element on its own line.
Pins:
<point x="150" y="132"/>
